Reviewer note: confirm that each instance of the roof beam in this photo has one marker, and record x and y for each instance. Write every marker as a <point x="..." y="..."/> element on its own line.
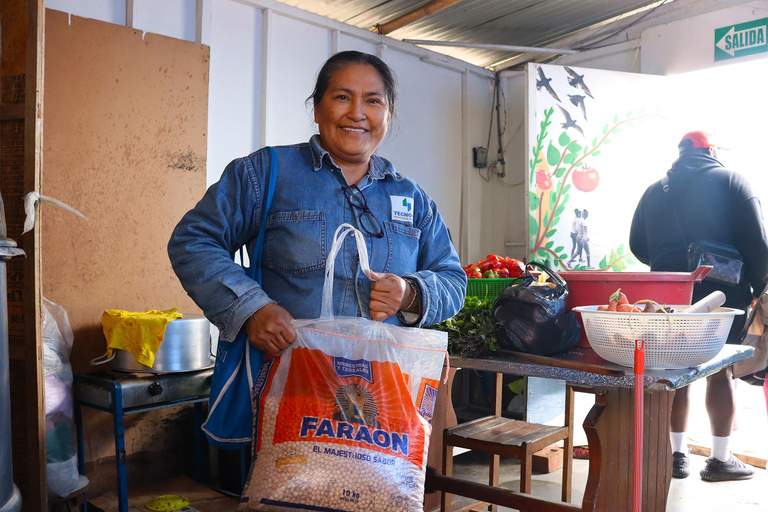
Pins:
<point x="489" y="46"/>
<point x="415" y="15"/>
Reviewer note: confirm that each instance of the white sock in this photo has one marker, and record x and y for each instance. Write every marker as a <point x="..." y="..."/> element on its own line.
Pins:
<point x="679" y="443"/>
<point x="721" y="448"/>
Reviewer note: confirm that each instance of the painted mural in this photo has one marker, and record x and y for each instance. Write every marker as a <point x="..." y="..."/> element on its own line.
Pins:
<point x="597" y="139"/>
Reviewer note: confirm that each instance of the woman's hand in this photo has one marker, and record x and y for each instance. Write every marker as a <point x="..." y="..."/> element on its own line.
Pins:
<point x="269" y="329"/>
<point x="389" y="294"/>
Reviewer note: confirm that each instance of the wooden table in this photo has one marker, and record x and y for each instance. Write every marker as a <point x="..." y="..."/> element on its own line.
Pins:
<point x="609" y="427"/>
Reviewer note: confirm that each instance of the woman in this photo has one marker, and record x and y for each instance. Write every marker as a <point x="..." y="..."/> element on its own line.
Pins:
<point x="584" y="237"/>
<point x="333" y="179"/>
<point x="575" y="228"/>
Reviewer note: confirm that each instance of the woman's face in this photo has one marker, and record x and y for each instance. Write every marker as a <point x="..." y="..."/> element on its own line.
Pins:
<point x="353" y="114"/>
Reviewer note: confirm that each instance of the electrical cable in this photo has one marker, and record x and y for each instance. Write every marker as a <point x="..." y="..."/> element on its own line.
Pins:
<point x="588" y="46"/>
<point x="583" y="45"/>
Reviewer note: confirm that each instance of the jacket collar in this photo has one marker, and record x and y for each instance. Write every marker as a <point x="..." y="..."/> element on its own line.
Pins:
<point x="380" y="167"/>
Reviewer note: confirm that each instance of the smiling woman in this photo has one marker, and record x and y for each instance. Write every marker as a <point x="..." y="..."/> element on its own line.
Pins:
<point x="333" y="179"/>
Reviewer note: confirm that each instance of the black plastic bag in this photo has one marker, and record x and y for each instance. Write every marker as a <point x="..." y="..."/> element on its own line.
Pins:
<point x="532" y="318"/>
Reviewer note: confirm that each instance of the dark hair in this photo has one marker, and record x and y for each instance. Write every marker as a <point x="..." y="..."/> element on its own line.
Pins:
<point x="343" y="59"/>
<point x="584" y="214"/>
<point x="686" y="148"/>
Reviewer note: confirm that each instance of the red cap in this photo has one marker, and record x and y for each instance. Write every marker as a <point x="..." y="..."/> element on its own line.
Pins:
<point x="696" y="139"/>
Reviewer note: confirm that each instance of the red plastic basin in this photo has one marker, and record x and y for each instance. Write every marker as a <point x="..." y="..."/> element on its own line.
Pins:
<point x="592" y="288"/>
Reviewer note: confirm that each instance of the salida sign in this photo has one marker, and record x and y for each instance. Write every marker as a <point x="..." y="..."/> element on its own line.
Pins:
<point x="739" y="40"/>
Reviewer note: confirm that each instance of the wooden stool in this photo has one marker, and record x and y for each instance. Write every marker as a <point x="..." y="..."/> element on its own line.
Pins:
<point x="500" y="436"/>
<point x="72" y="503"/>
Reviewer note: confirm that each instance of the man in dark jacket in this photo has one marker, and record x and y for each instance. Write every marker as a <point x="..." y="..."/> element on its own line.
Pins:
<point x="701" y="200"/>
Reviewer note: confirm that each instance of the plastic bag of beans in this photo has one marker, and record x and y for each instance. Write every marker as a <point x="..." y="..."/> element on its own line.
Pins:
<point x="343" y="415"/>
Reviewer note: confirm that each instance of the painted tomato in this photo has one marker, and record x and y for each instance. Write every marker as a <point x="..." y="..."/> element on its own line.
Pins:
<point x="586" y="179"/>
<point x="542" y="180"/>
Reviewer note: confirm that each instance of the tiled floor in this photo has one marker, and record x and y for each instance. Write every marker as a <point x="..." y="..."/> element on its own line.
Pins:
<point x="688" y="495"/>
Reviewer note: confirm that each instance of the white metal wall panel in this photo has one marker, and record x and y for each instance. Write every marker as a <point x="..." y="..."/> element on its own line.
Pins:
<point x="111" y="11"/>
<point x="425" y="143"/>
<point x="234" y="97"/>
<point x="172" y="18"/>
<point x="347" y="42"/>
<point x="297" y="50"/>
<point x="689" y="44"/>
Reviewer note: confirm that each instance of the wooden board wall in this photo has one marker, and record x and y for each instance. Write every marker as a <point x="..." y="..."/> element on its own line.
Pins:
<point x="21" y="108"/>
<point x="125" y="144"/>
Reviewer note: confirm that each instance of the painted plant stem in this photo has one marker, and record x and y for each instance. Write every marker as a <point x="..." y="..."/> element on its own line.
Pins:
<point x="542" y="232"/>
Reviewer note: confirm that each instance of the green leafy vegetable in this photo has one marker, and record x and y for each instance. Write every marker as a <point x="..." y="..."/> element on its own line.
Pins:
<point x="471" y="333"/>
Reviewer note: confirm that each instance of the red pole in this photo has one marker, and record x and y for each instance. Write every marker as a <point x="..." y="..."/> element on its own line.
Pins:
<point x="637" y="490"/>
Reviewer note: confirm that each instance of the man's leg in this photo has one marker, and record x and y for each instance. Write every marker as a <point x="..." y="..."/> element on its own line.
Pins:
<point x="678" y="429"/>
<point x="721" y="407"/>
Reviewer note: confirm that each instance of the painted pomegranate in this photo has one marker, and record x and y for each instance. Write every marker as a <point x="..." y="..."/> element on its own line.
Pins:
<point x="542" y="180"/>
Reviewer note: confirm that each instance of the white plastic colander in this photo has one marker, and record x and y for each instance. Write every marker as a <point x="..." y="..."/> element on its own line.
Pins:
<point x="674" y="340"/>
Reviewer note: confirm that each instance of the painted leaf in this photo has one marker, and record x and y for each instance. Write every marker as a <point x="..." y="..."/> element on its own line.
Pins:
<point x="554" y="222"/>
<point x="605" y="129"/>
<point x="560" y="210"/>
<point x="563" y="257"/>
<point x="553" y="155"/>
<point x="564" y="139"/>
<point x="613" y="257"/>
<point x="603" y="262"/>
<point x="552" y="197"/>
<point x="550" y="233"/>
<point x="617" y="129"/>
<point x="549" y="244"/>
<point x="596" y="152"/>
<point x="619" y="266"/>
<point x="559" y="248"/>
<point x="616" y="118"/>
<point x="594" y="141"/>
<point x="574" y="147"/>
<point x="629" y="114"/>
<point x="569" y="158"/>
<point x="542" y="253"/>
<point x="565" y="189"/>
<point x="533" y="225"/>
<point x="559" y="172"/>
<point x="620" y="250"/>
<point x="607" y="141"/>
<point x="546" y="219"/>
<point x="533" y="201"/>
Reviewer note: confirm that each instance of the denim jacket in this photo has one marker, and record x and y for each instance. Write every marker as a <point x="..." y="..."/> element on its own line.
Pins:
<point x="307" y="207"/>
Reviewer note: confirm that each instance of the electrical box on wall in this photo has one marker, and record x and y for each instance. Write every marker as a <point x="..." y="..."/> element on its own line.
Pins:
<point x="480" y="157"/>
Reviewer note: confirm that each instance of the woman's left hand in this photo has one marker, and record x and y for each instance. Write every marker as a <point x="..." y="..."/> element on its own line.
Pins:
<point x="388" y="295"/>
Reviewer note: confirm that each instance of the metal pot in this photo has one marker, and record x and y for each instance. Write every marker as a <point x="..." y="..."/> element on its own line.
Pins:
<point x="186" y="347"/>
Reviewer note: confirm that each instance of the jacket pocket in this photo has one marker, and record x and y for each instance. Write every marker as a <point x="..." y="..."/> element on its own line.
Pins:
<point x="295" y="241"/>
<point x="402" y="248"/>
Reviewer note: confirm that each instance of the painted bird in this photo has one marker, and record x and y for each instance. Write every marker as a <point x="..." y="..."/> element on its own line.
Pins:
<point x="569" y="122"/>
<point x="578" y="101"/>
<point x="543" y="81"/>
<point x="577" y="80"/>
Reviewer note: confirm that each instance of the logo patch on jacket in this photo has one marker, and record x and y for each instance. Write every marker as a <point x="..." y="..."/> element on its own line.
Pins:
<point x="402" y="208"/>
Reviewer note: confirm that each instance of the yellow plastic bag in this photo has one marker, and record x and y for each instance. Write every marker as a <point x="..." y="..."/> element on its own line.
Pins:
<point x="138" y="333"/>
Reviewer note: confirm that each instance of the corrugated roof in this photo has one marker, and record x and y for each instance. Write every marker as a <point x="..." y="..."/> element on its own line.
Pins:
<point x="536" y="23"/>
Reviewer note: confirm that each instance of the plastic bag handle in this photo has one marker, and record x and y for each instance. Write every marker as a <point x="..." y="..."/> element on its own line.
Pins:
<point x="338" y="241"/>
<point x="104" y="358"/>
<point x="556" y="278"/>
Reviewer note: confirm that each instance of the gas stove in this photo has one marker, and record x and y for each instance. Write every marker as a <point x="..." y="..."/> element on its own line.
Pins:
<point x="141" y="390"/>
